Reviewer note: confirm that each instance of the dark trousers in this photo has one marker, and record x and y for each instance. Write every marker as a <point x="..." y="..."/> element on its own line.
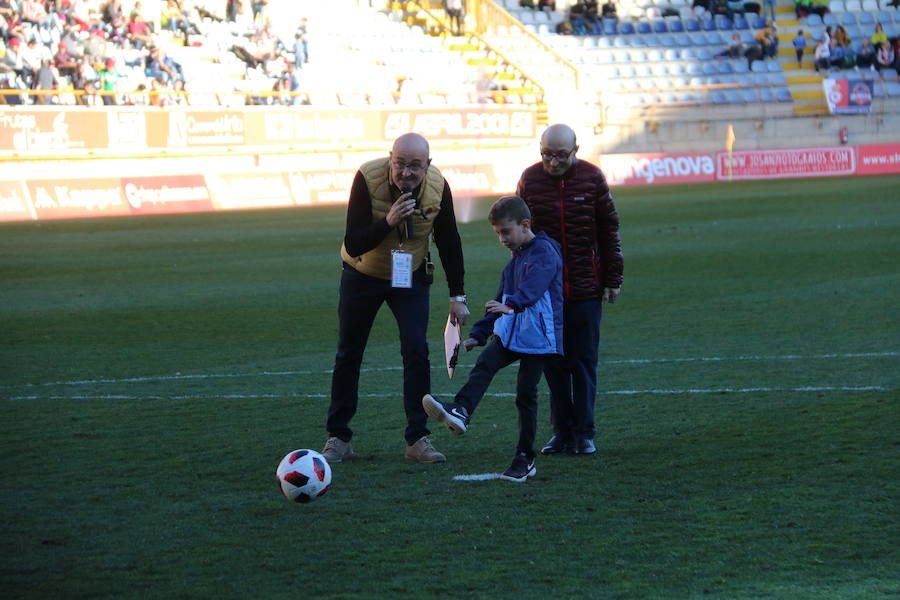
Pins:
<point x="493" y="358"/>
<point x="360" y="298"/>
<point x="573" y="378"/>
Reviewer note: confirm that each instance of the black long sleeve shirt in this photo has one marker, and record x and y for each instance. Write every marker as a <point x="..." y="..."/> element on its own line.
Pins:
<point x="363" y="233"/>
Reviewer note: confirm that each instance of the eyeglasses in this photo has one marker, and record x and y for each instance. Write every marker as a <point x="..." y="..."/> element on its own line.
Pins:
<point x="413" y="166"/>
<point x="560" y="156"/>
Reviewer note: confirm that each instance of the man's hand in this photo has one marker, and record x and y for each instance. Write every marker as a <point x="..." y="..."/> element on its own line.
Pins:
<point x="470" y="343"/>
<point x="402" y="208"/>
<point x="459" y="311"/>
<point x="610" y="294"/>
<point x="492" y="306"/>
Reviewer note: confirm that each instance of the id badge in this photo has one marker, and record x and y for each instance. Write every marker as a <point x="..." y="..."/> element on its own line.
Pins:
<point x="401" y="269"/>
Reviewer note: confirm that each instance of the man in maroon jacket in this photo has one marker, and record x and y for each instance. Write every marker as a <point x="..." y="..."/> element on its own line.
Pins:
<point x="570" y="200"/>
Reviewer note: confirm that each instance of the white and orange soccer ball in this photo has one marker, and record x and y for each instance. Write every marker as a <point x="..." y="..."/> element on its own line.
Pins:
<point x="303" y="475"/>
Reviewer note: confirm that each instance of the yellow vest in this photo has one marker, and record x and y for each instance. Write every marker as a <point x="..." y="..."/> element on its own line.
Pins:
<point x="377" y="262"/>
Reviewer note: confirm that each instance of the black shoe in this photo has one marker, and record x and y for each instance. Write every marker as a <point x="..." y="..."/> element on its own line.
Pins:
<point x="521" y="469"/>
<point x="454" y="416"/>
<point x="557" y="445"/>
<point x="585" y="447"/>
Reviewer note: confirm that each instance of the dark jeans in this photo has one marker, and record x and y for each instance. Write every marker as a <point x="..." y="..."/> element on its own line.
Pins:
<point x="573" y="378"/>
<point x="493" y="358"/>
<point x="360" y="298"/>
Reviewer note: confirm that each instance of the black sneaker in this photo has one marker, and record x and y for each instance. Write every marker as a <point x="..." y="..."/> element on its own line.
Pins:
<point x="454" y="416"/>
<point x="521" y="469"/>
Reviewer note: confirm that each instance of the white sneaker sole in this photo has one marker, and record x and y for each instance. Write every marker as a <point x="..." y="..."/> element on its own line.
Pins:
<point x="527" y="476"/>
<point x="436" y="411"/>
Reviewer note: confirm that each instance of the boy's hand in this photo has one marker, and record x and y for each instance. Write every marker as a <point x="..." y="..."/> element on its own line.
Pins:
<point x="470" y="343"/>
<point x="492" y="306"/>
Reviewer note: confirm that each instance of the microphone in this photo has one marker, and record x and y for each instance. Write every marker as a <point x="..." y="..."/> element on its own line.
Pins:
<point x="410" y="224"/>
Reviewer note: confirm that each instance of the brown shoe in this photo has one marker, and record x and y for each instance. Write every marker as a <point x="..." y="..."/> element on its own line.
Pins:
<point x="337" y="450"/>
<point x="422" y="451"/>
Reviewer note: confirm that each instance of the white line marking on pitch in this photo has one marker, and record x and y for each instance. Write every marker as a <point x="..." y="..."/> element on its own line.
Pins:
<point x="634" y="361"/>
<point x="477" y="477"/>
<point x="839" y="388"/>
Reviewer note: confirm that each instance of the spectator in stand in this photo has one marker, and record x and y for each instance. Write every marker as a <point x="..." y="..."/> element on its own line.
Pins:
<point x="139" y="97"/>
<point x="735" y="48"/>
<point x="819" y="7"/>
<point x="299" y="50"/>
<point x="112" y="12"/>
<point x="231" y="10"/>
<point x="896" y="51"/>
<point x="90" y="97"/>
<point x="546" y="5"/>
<point x="823" y="56"/>
<point x="609" y="10"/>
<point x="162" y="65"/>
<point x="884" y="57"/>
<point x="13" y="61"/>
<point x="841" y="37"/>
<point x="592" y="17"/>
<point x="64" y="63"/>
<point x="109" y="81"/>
<point x="139" y="33"/>
<point x="879" y="37"/>
<point x="840" y="57"/>
<point x="454" y="10"/>
<point x="769" y="10"/>
<point x="768" y="41"/>
<point x="31" y="59"/>
<point x="718" y="7"/>
<point x="178" y="94"/>
<point x="258" y="6"/>
<point x="46" y="79"/>
<point x="734" y="6"/>
<point x="802" y="8"/>
<point x="84" y="73"/>
<point x="6" y="10"/>
<point x="577" y="14"/>
<point x="33" y="11"/>
<point x="292" y="76"/>
<point x="799" y="43"/>
<point x="866" y="55"/>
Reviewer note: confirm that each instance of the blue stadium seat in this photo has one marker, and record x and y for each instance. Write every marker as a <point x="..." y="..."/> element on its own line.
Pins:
<point x="694" y="69"/>
<point x="689" y="54"/>
<point x="639" y="56"/>
<point x="709" y="68"/>
<point x="682" y="39"/>
<point x="777" y="78"/>
<point x="619" y="42"/>
<point x="783" y="94"/>
<point x="892" y="88"/>
<point x="660" y="26"/>
<point x="744" y="79"/>
<point x="767" y="95"/>
<point x="888" y="74"/>
<point x="643" y="71"/>
<point x="709" y="25"/>
<point x="759" y="22"/>
<point x="813" y="20"/>
<point x="885" y="17"/>
<point x="774" y="66"/>
<point x="723" y="23"/>
<point x="672" y="54"/>
<point x="704" y="54"/>
<point x="604" y="43"/>
<point x="750" y="96"/>
<point x="740" y="22"/>
<point x="609" y="27"/>
<point x="626" y="27"/>
<point x="732" y="97"/>
<point x="669" y="98"/>
<point x="666" y="40"/>
<point x="655" y="55"/>
<point x="728" y="79"/>
<point x="717" y="97"/>
<point x="643" y="27"/>
<point x="676" y="26"/>
<point x="740" y="67"/>
<point x="714" y="38"/>
<point x="816" y="34"/>
<point x="692" y="25"/>
<point x="660" y="70"/>
<point x="723" y="67"/>
<point x="866" y="19"/>
<point x="698" y="81"/>
<point x="638" y="40"/>
<point x="848" y="18"/>
<point x="747" y="37"/>
<point x="758" y="66"/>
<point x="759" y="78"/>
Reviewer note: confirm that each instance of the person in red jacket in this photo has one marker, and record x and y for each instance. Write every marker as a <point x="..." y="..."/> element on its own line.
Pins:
<point x="570" y="200"/>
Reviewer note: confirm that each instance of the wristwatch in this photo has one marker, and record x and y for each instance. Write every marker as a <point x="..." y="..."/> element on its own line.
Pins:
<point x="458" y="299"/>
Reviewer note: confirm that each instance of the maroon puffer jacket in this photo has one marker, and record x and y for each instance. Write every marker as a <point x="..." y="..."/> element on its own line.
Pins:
<point x="578" y="212"/>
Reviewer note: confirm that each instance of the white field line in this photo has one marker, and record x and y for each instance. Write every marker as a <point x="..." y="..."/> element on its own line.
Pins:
<point x="801" y="389"/>
<point x="477" y="477"/>
<point x="636" y="361"/>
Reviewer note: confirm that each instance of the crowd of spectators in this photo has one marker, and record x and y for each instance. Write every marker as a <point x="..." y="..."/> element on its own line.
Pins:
<point x="837" y="51"/>
<point x="91" y="52"/>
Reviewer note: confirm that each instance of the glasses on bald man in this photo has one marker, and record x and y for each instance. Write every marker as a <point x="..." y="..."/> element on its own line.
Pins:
<point x="560" y="156"/>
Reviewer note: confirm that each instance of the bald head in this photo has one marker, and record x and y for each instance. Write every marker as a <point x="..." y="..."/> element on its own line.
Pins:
<point x="558" y="149"/>
<point x="409" y="160"/>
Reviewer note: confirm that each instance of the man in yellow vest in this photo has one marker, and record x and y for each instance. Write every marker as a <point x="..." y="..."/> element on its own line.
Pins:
<point x="397" y="204"/>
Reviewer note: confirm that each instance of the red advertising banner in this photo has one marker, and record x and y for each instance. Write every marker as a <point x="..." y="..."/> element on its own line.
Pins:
<point x="646" y="169"/>
<point x="13" y="204"/>
<point x="776" y="164"/>
<point x="179" y="193"/>
<point x="68" y="198"/>
<point x="195" y="129"/>
<point x="878" y="159"/>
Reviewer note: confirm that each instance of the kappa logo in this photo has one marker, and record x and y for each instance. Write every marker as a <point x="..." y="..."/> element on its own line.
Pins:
<point x="578" y="198"/>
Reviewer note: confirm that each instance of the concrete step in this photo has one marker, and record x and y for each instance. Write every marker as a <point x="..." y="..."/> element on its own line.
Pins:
<point x="809" y="94"/>
<point x="805" y="79"/>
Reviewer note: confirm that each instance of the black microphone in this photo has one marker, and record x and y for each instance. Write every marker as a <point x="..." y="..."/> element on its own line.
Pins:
<point x="410" y="225"/>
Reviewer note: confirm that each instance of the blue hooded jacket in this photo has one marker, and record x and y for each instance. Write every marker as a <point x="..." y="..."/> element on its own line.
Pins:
<point x="531" y="284"/>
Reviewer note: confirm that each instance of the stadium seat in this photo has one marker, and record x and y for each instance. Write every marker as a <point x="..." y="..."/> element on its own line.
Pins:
<point x="671" y="54"/>
<point x="638" y="41"/>
<point x="853" y="6"/>
<point x="676" y="26"/>
<point x="626" y="28"/>
<point x="660" y="26"/>
<point x="692" y="25"/>
<point x="709" y="25"/>
<point x="888" y="73"/>
<point x="758" y="66"/>
<point x="740" y="67"/>
<point x="689" y="54"/>
<point x="746" y="37"/>
<point x="643" y="27"/>
<point x="759" y="22"/>
<point x="619" y="42"/>
<point x="655" y="55"/>
<point x="714" y="38"/>
<point x="604" y="43"/>
<point x="866" y="19"/>
<point x="777" y="78"/>
<point x="767" y="95"/>
<point x="813" y="20"/>
<point x="682" y="39"/>
<point x="694" y="69"/>
<point x="870" y="5"/>
<point x="609" y="27"/>
<point x="717" y="97"/>
<point x="885" y="17"/>
<point x="643" y="71"/>
<point x="773" y="66"/>
<point x="893" y="89"/>
<point x="724" y="23"/>
<point x="846" y="19"/>
<point x="836" y="6"/>
<point x="740" y="22"/>
<point x="666" y="40"/>
<point x="732" y="97"/>
<point x="783" y="94"/>
<point x="704" y="54"/>
<point x="709" y="68"/>
<point x="723" y="67"/>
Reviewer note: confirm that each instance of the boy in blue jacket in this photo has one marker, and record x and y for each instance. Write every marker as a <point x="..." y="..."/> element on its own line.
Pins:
<point x="526" y="320"/>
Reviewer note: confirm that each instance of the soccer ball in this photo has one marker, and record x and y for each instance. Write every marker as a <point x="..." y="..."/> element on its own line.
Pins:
<point x="303" y="475"/>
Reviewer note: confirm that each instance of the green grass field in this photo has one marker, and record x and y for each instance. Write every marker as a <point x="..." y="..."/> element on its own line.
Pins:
<point x="155" y="370"/>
